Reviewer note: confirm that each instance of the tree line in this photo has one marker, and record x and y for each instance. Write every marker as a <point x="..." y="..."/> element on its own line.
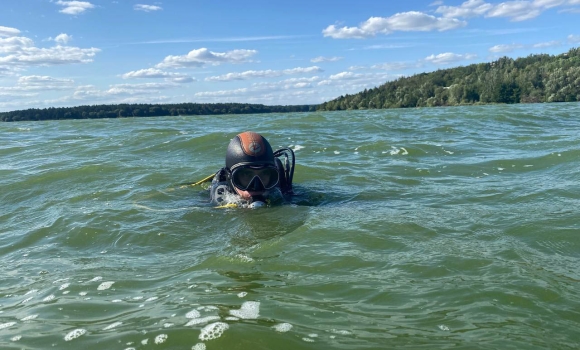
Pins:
<point x="531" y="79"/>
<point x="146" y="110"/>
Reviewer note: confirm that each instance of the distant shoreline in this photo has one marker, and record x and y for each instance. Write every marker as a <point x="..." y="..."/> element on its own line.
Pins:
<point x="146" y="110"/>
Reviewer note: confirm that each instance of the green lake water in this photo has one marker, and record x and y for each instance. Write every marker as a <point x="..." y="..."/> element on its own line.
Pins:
<point x="441" y="228"/>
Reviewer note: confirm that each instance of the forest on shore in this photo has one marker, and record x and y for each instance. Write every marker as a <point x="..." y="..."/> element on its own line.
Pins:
<point x="532" y="79"/>
<point x="146" y="110"/>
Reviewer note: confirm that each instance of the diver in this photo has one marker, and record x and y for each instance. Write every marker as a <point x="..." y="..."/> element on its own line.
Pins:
<point x="254" y="174"/>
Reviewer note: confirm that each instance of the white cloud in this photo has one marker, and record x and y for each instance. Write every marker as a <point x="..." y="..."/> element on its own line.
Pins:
<point x="202" y="57"/>
<point x="152" y="73"/>
<point x="470" y="8"/>
<point x="147" y="86"/>
<point x="43" y="80"/>
<point x="547" y="44"/>
<point x="25" y="55"/>
<point x="394" y="66"/>
<point x="325" y="59"/>
<point x="15" y="44"/>
<point x="515" y="10"/>
<point x="548" y="3"/>
<point x="74" y="7"/>
<point x="574" y="38"/>
<point x="146" y="8"/>
<point x="63" y="38"/>
<point x="448" y="58"/>
<point x="269" y="73"/>
<point x="505" y="48"/>
<point x="222" y="93"/>
<point x="412" y="21"/>
<point x="7" y="31"/>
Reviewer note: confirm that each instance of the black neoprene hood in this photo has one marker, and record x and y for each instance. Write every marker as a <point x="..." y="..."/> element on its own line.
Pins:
<point x="249" y="148"/>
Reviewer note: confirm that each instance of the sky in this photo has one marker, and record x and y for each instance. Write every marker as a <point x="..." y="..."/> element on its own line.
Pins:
<point x="56" y="53"/>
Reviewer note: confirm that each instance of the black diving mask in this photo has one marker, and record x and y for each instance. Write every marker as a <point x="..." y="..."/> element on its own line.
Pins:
<point x="255" y="178"/>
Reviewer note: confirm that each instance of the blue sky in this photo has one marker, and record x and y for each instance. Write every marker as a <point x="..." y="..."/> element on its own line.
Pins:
<point x="69" y="53"/>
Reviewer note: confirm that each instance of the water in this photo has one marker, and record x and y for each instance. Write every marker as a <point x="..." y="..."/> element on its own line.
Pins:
<point x="416" y="228"/>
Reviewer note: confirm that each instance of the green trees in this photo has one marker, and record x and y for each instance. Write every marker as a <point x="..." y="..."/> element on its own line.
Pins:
<point x="146" y="110"/>
<point x="535" y="78"/>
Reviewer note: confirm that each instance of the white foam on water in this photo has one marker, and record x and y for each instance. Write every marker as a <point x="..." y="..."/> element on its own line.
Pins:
<point x="443" y="327"/>
<point x="96" y="279"/>
<point x="340" y="331"/>
<point x="7" y="325"/>
<point x="66" y="292"/>
<point x="167" y="325"/>
<point x="137" y="298"/>
<point x="82" y="294"/>
<point x="202" y="320"/>
<point x="208" y="308"/>
<point x="31" y="291"/>
<point x="116" y="301"/>
<point x="313" y="335"/>
<point x="192" y="314"/>
<point x="231" y="318"/>
<point x="308" y="340"/>
<point x="242" y="294"/>
<point x="60" y="280"/>
<point x="74" y="334"/>
<point x="282" y="327"/>
<point x="152" y="298"/>
<point x="527" y="165"/>
<point x="448" y="152"/>
<point x="161" y="338"/>
<point x="64" y="286"/>
<point x="244" y="258"/>
<point x="130" y="349"/>
<point x="336" y="152"/>
<point x="105" y="285"/>
<point x="249" y="310"/>
<point x="48" y="298"/>
<point x="213" y="331"/>
<point x="144" y="341"/>
<point x="112" y="325"/>
<point x="26" y="300"/>
<point x="198" y="346"/>
<point x="16" y="338"/>
<point x="500" y="169"/>
<point x="28" y="318"/>
<point x="298" y="147"/>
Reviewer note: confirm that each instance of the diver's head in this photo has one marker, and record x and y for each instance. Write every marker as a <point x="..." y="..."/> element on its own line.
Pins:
<point x="251" y="165"/>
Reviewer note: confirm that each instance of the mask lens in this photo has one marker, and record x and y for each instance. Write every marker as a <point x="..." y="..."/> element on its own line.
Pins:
<point x="242" y="177"/>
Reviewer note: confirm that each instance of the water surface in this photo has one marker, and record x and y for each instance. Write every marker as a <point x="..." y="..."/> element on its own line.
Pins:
<point x="413" y="228"/>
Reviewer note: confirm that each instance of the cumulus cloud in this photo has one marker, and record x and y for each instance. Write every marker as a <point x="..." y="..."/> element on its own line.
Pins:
<point x="152" y="73"/>
<point x="62" y="38"/>
<point x="574" y="38"/>
<point x="202" y="57"/>
<point x="43" y="80"/>
<point x="23" y="54"/>
<point x="470" y="8"/>
<point x="74" y="7"/>
<point x="412" y="21"/>
<point x="325" y="59"/>
<point x="7" y="31"/>
<point x="146" y="8"/>
<point x="269" y="73"/>
<point x="505" y="48"/>
<point x="448" y="58"/>
<point x="516" y="10"/>
<point x="15" y="44"/>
